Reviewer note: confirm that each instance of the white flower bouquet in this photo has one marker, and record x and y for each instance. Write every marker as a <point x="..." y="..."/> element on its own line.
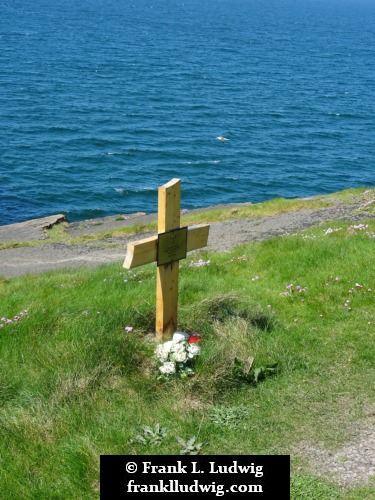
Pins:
<point x="176" y="357"/>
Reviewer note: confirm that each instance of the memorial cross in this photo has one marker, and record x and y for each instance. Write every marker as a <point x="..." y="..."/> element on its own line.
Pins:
<point x="167" y="249"/>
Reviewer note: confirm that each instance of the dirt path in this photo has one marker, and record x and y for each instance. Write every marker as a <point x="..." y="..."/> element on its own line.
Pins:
<point x="223" y="237"/>
<point x="353" y="464"/>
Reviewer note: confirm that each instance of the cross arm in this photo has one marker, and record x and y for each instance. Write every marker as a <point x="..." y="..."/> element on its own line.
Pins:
<point x="145" y="251"/>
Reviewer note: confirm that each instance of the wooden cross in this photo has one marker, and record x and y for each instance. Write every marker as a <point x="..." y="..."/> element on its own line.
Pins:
<point x="167" y="248"/>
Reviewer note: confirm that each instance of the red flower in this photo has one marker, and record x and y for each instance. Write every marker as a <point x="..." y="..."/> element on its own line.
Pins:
<point x="194" y="338"/>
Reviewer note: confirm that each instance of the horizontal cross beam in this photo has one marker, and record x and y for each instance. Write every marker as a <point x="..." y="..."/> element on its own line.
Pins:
<point x="145" y="251"/>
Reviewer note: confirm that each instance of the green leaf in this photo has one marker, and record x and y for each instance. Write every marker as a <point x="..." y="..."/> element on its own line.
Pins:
<point x="191" y="441"/>
<point x="181" y="441"/>
<point x="257" y="374"/>
<point x="140" y="438"/>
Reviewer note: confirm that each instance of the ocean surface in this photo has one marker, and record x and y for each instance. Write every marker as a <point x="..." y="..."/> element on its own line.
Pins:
<point x="102" y="101"/>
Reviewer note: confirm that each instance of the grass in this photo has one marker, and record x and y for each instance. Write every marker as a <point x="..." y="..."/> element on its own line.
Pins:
<point x="74" y="384"/>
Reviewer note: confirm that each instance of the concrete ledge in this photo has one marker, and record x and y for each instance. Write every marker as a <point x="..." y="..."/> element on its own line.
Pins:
<point x="33" y="229"/>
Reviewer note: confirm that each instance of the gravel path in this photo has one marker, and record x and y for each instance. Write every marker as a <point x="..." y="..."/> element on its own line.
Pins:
<point x="223" y="237"/>
<point x="351" y="465"/>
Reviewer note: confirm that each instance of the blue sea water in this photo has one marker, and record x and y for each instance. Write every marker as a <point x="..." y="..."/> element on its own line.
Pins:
<point x="102" y="101"/>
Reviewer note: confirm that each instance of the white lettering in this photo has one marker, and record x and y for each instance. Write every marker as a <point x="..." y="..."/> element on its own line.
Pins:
<point x="195" y="470"/>
<point x="148" y="468"/>
<point x="236" y="469"/>
<point x="132" y="487"/>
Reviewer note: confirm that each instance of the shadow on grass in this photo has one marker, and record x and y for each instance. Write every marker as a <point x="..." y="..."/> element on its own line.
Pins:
<point x="221" y="308"/>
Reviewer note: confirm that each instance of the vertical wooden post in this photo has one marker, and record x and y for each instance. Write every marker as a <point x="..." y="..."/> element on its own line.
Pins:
<point x="169" y="198"/>
<point x="146" y="251"/>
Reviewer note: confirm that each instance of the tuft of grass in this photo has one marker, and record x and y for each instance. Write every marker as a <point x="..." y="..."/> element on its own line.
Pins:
<point x="307" y="487"/>
<point x="352" y="195"/>
<point x="265" y="209"/>
<point x="6" y="245"/>
<point x="268" y="208"/>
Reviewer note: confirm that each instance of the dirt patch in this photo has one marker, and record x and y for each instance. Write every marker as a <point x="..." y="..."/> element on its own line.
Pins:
<point x="351" y="465"/>
<point x="225" y="235"/>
